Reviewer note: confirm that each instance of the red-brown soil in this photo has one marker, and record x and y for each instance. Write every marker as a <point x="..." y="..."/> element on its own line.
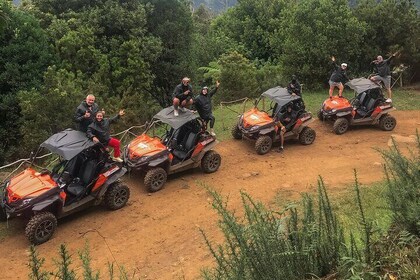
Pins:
<point x="157" y="235"/>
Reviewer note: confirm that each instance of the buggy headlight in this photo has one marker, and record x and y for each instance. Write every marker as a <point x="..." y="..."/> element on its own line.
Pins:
<point x="26" y="201"/>
<point x="254" y="128"/>
<point x="333" y="110"/>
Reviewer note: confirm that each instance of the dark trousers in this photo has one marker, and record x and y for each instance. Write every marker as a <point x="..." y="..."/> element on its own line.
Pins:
<point x="211" y="119"/>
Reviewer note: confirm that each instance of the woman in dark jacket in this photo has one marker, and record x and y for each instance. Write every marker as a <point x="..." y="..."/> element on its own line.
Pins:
<point x="203" y="105"/>
<point x="338" y="78"/>
<point x="98" y="131"/>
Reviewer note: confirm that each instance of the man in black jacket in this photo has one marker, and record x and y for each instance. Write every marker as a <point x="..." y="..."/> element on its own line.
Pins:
<point x="294" y="88"/>
<point x="338" y="78"/>
<point x="203" y="105"/>
<point x="98" y="131"/>
<point x="183" y="95"/>
<point x="383" y="73"/>
<point x="85" y="112"/>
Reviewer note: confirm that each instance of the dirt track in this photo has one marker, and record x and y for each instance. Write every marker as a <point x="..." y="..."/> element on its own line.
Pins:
<point x="157" y="236"/>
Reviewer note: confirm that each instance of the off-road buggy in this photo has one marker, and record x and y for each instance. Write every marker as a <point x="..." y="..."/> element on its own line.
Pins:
<point x="183" y="144"/>
<point x="261" y="126"/>
<point x="368" y="107"/>
<point x="84" y="176"/>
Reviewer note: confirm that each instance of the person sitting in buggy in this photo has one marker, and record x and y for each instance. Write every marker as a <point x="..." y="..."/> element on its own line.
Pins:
<point x="285" y="122"/>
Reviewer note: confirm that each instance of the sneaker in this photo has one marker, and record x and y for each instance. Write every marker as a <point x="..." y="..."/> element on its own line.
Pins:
<point x="176" y="113"/>
<point x="389" y="100"/>
<point x="117" y="159"/>
<point x="212" y="133"/>
<point x="281" y="149"/>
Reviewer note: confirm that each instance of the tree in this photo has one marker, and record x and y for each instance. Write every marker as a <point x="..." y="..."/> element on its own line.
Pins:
<point x="24" y="56"/>
<point x="237" y="75"/>
<point x="392" y="25"/>
<point x="313" y="30"/>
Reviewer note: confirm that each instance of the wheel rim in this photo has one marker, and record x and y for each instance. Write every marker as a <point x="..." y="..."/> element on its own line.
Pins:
<point x="342" y="127"/>
<point x="44" y="230"/>
<point x="265" y="146"/>
<point x="213" y="163"/>
<point x="158" y="180"/>
<point x="309" y="137"/>
<point x="121" y="196"/>
<point x="389" y="123"/>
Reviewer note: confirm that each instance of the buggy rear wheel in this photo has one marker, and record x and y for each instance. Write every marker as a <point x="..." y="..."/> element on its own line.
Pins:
<point x="236" y="132"/>
<point x="155" y="179"/>
<point x="41" y="227"/>
<point x="340" y="126"/>
<point x="116" y="196"/>
<point x="211" y="162"/>
<point x="307" y="136"/>
<point x="387" y="123"/>
<point x="263" y="144"/>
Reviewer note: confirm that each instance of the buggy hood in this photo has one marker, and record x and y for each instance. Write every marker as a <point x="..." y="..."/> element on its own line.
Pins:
<point x="68" y="143"/>
<point x="167" y="116"/>
<point x="144" y="145"/>
<point x="280" y="96"/>
<point x="29" y="183"/>
<point x="361" y="85"/>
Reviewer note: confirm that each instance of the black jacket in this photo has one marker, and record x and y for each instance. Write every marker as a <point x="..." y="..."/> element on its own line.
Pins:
<point x="100" y="130"/>
<point x="80" y="112"/>
<point x="382" y="68"/>
<point x="180" y="89"/>
<point x="294" y="88"/>
<point x="339" y="75"/>
<point x="203" y="103"/>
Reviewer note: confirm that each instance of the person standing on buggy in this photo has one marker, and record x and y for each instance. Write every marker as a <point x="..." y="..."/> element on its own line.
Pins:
<point x="203" y="105"/>
<point x="98" y="131"/>
<point x="85" y="112"/>
<point x="383" y="73"/>
<point x="283" y="122"/>
<point x="294" y="88"/>
<point x="183" y="95"/>
<point x="338" y="78"/>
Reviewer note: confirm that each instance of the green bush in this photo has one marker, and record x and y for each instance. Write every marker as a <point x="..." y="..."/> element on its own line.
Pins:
<point x="277" y="245"/>
<point x="403" y="182"/>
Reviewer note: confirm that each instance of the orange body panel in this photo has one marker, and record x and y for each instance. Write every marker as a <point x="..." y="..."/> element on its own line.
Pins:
<point x="376" y="112"/>
<point x="255" y="117"/>
<point x="144" y="145"/>
<point x="29" y="183"/>
<point x="336" y="103"/>
<point x="103" y="177"/>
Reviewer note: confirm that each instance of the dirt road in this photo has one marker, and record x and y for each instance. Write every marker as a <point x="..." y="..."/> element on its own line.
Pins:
<point x="157" y="236"/>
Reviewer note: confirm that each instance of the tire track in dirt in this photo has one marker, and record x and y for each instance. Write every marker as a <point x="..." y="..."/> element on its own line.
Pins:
<point x="157" y="236"/>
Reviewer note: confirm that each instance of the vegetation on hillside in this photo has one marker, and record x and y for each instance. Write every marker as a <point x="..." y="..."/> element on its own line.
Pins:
<point x="132" y="53"/>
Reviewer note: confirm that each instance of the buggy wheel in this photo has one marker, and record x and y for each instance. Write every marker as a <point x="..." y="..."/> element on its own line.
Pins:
<point x="155" y="179"/>
<point x="116" y="196"/>
<point x="263" y="144"/>
<point x="387" y="123"/>
<point x="320" y="115"/>
<point x="307" y="136"/>
<point x="211" y="162"/>
<point x="236" y="132"/>
<point x="340" y="126"/>
<point x="41" y="227"/>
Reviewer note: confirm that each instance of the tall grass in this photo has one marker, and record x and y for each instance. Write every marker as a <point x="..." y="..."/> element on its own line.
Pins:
<point x="290" y="244"/>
